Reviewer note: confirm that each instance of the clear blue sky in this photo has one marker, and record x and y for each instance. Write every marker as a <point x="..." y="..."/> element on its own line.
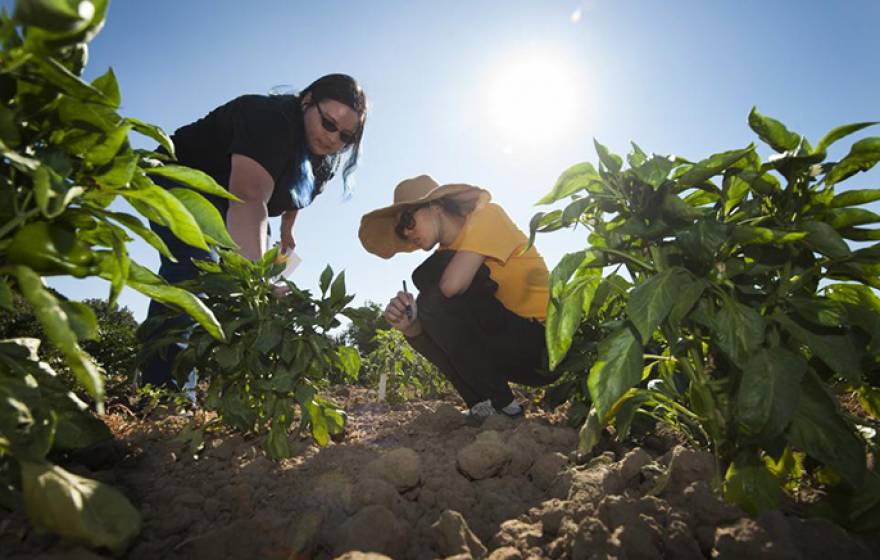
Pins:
<point x="676" y="77"/>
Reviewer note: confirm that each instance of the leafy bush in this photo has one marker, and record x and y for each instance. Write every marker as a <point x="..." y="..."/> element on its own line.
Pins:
<point x="367" y="320"/>
<point x="64" y="158"/>
<point x="113" y="348"/>
<point x="747" y="305"/>
<point x="409" y="374"/>
<point x="277" y="355"/>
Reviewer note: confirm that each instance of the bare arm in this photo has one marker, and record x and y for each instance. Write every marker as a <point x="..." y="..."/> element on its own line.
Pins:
<point x="287" y="220"/>
<point x="246" y="220"/>
<point x="460" y="273"/>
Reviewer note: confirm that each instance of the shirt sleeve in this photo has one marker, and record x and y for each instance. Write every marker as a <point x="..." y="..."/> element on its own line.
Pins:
<point x="260" y="134"/>
<point x="490" y="232"/>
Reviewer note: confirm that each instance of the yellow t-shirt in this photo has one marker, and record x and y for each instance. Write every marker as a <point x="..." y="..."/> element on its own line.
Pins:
<point x="523" y="280"/>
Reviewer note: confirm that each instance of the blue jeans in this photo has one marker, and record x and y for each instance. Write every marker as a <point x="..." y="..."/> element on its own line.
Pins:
<point x="156" y="370"/>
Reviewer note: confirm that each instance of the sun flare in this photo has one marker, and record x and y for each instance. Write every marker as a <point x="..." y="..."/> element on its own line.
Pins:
<point x="534" y="100"/>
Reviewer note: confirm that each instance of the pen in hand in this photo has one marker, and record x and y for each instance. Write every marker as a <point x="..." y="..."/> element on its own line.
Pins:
<point x="409" y="313"/>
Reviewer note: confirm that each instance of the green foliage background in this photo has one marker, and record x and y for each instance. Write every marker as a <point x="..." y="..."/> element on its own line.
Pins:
<point x="742" y="308"/>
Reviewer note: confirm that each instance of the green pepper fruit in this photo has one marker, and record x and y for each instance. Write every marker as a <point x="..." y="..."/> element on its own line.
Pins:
<point x="51" y="249"/>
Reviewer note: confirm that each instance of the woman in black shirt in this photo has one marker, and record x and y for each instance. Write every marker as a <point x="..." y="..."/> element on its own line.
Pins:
<point x="275" y="153"/>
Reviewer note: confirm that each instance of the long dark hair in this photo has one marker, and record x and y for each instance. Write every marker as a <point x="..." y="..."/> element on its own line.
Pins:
<point x="344" y="89"/>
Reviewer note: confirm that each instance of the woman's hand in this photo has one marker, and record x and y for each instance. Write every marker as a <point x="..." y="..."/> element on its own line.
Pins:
<point x="402" y="313"/>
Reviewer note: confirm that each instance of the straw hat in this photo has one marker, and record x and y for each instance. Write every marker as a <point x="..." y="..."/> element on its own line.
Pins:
<point x="377" y="227"/>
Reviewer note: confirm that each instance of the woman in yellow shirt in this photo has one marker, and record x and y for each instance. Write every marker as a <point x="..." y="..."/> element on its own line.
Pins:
<point x="482" y="301"/>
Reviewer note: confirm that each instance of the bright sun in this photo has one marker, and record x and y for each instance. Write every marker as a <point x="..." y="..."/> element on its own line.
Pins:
<point x="534" y="101"/>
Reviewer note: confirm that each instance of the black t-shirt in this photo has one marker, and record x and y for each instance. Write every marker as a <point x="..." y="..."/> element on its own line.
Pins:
<point x="267" y="129"/>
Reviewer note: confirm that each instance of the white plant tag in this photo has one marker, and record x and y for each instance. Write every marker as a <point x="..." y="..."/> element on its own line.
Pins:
<point x="383" y="382"/>
<point x="293" y="260"/>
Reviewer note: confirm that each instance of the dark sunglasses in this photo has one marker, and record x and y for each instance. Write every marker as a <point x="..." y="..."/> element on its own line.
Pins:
<point x="330" y="126"/>
<point x="407" y="221"/>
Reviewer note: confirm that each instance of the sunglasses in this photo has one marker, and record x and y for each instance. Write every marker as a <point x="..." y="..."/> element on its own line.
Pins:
<point x="407" y="221"/>
<point x="330" y="126"/>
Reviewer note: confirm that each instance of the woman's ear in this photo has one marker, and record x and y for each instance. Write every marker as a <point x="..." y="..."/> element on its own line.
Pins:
<point x="306" y="100"/>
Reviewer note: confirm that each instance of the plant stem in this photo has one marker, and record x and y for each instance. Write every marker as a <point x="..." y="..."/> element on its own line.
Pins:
<point x="9" y="226"/>
<point x="629" y="258"/>
<point x="665" y="358"/>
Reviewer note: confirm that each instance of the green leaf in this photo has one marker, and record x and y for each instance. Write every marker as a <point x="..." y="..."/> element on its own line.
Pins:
<point x="749" y="484"/>
<point x="544" y="222"/>
<point x="193" y="178"/>
<point x="650" y="302"/>
<point x="154" y="132"/>
<point x="654" y="171"/>
<point x="144" y="232"/>
<point x="618" y="368"/>
<point x="350" y="360"/>
<point x="9" y="128"/>
<point x="863" y="155"/>
<point x="108" y="85"/>
<point x="57" y="327"/>
<point x="824" y="239"/>
<point x="754" y="235"/>
<point x="277" y="446"/>
<point x="818" y="429"/>
<point x="839" y="132"/>
<point x="572" y="213"/>
<point x="78" y="509"/>
<point x="210" y="222"/>
<point x="62" y="78"/>
<point x="53" y="194"/>
<point x="229" y="356"/>
<point x="326" y="276"/>
<point x="612" y="162"/>
<point x="739" y="331"/>
<point x="854" y="197"/>
<point x="687" y="296"/>
<point x="820" y="311"/>
<point x="768" y="393"/>
<point x="675" y="209"/>
<point x="106" y="150"/>
<point x="590" y="433"/>
<point x="703" y="239"/>
<point x="121" y="171"/>
<point x="773" y="132"/>
<point x="171" y="212"/>
<point x="869" y="398"/>
<point x="840" y="352"/>
<point x="711" y="166"/>
<point x="702" y="198"/>
<point x="337" y="289"/>
<point x="58" y="16"/>
<point x="637" y="156"/>
<point x="81" y="319"/>
<point x="572" y="180"/>
<point x="77" y="113"/>
<point x="840" y="218"/>
<point x="183" y="301"/>
<point x="860" y="234"/>
<point x="570" y="298"/>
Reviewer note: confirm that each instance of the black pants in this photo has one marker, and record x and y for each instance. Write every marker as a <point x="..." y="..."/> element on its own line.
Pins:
<point x="476" y="342"/>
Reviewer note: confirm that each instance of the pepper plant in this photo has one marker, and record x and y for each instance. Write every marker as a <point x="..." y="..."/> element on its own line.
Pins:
<point x="65" y="157"/>
<point x="407" y="372"/>
<point x="278" y="352"/>
<point x="751" y="306"/>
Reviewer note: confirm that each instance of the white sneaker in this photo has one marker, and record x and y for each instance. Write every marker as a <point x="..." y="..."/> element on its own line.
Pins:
<point x="481" y="410"/>
<point x="514" y="410"/>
